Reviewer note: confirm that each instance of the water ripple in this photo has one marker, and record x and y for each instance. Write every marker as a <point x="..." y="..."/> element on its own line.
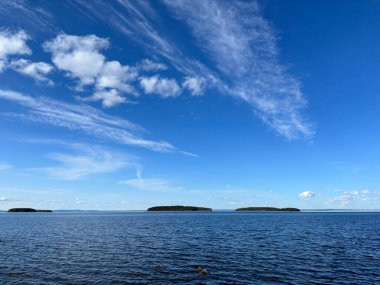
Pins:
<point x="167" y="248"/>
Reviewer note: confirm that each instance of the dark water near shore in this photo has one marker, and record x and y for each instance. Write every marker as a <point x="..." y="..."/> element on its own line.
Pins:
<point x="166" y="248"/>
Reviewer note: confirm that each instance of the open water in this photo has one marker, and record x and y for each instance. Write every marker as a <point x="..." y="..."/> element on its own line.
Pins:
<point x="167" y="248"/>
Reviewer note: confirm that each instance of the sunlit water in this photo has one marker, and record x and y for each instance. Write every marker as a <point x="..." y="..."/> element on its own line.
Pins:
<point x="166" y="248"/>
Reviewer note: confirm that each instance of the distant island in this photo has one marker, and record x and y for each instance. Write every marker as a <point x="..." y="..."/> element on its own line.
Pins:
<point x="27" y="210"/>
<point x="268" y="209"/>
<point x="178" y="208"/>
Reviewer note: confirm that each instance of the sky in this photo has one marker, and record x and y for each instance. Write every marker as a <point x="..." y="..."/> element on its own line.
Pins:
<point x="123" y="105"/>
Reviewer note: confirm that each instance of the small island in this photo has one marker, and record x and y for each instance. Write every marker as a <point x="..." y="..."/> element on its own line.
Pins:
<point x="268" y="209"/>
<point x="28" y="210"/>
<point x="179" y="208"/>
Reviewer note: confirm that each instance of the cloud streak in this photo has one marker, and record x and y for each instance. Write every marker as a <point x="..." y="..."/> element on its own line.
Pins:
<point x="4" y="167"/>
<point x="243" y="47"/>
<point x="151" y="184"/>
<point x="86" y="160"/>
<point x="83" y="118"/>
<point x="356" y="198"/>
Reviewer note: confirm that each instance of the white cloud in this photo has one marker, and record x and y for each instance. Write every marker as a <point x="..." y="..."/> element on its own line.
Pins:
<point x="115" y="75"/>
<point x="3" y="199"/>
<point x="157" y="185"/>
<point x="149" y="65"/>
<point x="27" y="14"/>
<point x="79" y="56"/>
<point x="12" y="44"/>
<point x="195" y="85"/>
<point x="5" y="167"/>
<point x="363" y="198"/>
<point x="306" y="195"/>
<point x="86" y="160"/>
<point x="243" y="47"/>
<point x="163" y="86"/>
<point x="235" y="36"/>
<point x="36" y="70"/>
<point x="137" y="20"/>
<point x="83" y="118"/>
<point x="109" y="98"/>
<point x="79" y="201"/>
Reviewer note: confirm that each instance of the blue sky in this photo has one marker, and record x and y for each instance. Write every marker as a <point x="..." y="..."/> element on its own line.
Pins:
<point x="121" y="105"/>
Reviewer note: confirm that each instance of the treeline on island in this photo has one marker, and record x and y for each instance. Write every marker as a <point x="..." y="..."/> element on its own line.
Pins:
<point x="268" y="209"/>
<point x="28" y="210"/>
<point x="193" y="208"/>
<point x="179" y="208"/>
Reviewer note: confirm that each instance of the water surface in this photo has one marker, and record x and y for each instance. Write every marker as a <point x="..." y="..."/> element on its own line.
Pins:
<point x="166" y="248"/>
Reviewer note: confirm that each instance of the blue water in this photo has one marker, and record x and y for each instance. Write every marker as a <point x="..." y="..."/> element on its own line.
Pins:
<point x="166" y="248"/>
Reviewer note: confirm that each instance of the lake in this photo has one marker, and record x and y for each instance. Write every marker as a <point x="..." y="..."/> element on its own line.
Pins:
<point x="167" y="248"/>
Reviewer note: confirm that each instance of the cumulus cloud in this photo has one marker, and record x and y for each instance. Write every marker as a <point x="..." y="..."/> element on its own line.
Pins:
<point x="12" y="44"/>
<point x="195" y="85"/>
<point x="79" y="56"/>
<point x="36" y="70"/>
<point x="114" y="75"/>
<point x="165" y="87"/>
<point x="109" y="98"/>
<point x="306" y="195"/>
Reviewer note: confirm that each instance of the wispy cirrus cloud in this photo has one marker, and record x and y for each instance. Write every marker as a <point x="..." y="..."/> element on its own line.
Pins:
<point x="83" y="118"/>
<point x="4" y="166"/>
<point x="356" y="198"/>
<point x="151" y="184"/>
<point x="149" y="65"/>
<point x="30" y="15"/>
<point x="85" y="160"/>
<point x="243" y="47"/>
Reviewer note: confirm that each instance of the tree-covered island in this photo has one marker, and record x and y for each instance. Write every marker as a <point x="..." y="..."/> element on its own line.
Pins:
<point x="179" y="208"/>
<point x="28" y="210"/>
<point x="268" y="209"/>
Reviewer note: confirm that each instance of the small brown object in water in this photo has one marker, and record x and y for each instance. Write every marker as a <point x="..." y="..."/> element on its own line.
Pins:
<point x="201" y="270"/>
